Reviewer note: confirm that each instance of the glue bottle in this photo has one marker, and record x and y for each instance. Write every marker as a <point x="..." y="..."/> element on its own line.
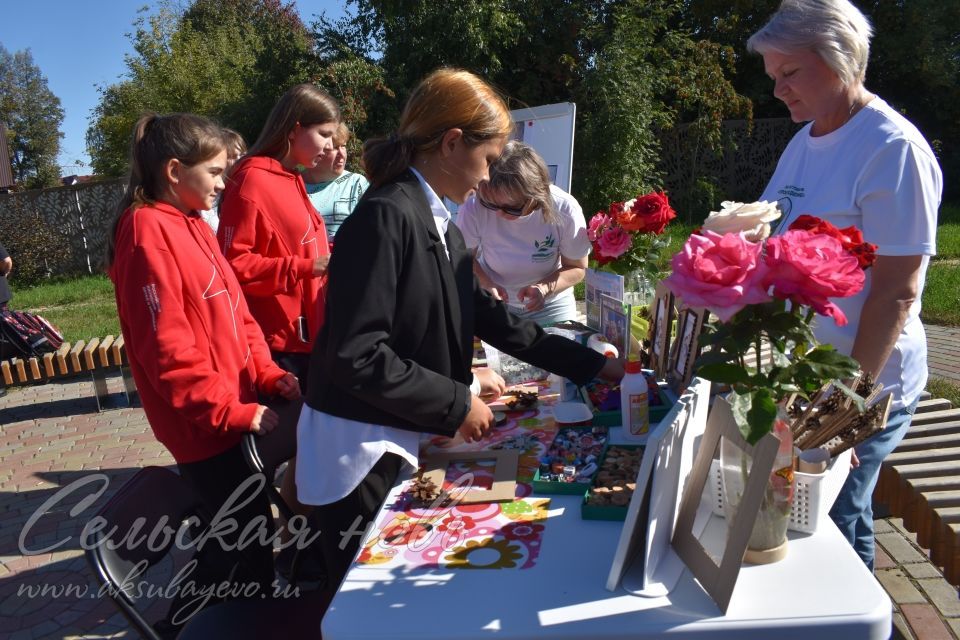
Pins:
<point x="600" y="344"/>
<point x="634" y="403"/>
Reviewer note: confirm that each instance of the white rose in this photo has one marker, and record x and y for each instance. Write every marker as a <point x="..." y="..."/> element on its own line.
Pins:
<point x="753" y="219"/>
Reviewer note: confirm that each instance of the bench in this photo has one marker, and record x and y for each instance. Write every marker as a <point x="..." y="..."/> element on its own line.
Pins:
<point x="920" y="482"/>
<point x="96" y="357"/>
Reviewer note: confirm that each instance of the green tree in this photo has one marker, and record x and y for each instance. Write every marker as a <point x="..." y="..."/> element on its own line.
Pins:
<point x="649" y="75"/>
<point x="226" y="59"/>
<point x="32" y="115"/>
<point x="633" y="67"/>
<point x="915" y="66"/>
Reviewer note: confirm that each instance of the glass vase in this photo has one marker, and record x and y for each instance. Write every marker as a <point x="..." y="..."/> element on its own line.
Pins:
<point x="768" y="537"/>
<point x="638" y="295"/>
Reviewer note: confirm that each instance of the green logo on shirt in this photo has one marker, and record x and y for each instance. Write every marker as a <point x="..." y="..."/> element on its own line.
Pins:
<point x="545" y="249"/>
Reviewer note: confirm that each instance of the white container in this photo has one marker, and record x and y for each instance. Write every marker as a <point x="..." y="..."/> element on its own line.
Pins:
<point x="599" y="344"/>
<point x="634" y="403"/>
<point x="815" y="493"/>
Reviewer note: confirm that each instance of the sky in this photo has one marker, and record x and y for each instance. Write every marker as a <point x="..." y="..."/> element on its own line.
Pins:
<point x="80" y="45"/>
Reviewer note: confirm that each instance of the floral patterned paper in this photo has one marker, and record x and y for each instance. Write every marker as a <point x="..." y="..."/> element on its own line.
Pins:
<point x="472" y="536"/>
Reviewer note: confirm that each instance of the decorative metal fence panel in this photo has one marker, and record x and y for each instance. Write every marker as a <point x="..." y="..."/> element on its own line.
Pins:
<point x="738" y="171"/>
<point x="79" y="217"/>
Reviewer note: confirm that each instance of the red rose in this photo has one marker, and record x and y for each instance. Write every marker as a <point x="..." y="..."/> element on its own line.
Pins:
<point x="647" y="214"/>
<point x="850" y="237"/>
<point x="865" y="253"/>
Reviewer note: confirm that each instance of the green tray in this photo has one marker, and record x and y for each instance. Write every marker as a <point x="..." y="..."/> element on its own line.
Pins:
<point x="566" y="488"/>
<point x="559" y="488"/>
<point x="605" y="511"/>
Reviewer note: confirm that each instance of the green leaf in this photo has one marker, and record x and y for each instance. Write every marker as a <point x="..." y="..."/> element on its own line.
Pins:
<point x="760" y="416"/>
<point x="724" y="373"/>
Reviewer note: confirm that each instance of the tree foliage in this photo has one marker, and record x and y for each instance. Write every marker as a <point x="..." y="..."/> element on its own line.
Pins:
<point x="32" y="115"/>
<point x="632" y="66"/>
<point x="914" y="62"/>
<point x="225" y="59"/>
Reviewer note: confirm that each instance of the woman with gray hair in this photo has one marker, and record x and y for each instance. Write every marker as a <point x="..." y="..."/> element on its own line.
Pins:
<point x="857" y="162"/>
<point x="528" y="237"/>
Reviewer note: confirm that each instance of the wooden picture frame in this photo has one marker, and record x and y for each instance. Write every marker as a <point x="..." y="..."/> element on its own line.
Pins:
<point x="685" y="348"/>
<point x="504" y="488"/>
<point x="661" y="320"/>
<point x="719" y="579"/>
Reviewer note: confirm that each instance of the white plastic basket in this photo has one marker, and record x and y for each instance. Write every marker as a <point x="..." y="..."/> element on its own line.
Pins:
<point x="814" y="495"/>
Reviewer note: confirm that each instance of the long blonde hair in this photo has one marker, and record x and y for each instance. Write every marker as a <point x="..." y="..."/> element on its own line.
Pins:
<point x="444" y="100"/>
<point x="303" y="104"/>
<point x="156" y="139"/>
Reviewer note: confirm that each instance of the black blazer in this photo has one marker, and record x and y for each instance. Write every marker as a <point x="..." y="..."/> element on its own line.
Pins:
<point x="397" y="343"/>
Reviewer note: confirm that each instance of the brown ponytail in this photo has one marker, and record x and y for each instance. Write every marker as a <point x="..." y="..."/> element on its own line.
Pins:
<point x="446" y="99"/>
<point x="157" y="139"/>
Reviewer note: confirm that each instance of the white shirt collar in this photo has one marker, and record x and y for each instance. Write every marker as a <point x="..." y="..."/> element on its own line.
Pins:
<point x="441" y="216"/>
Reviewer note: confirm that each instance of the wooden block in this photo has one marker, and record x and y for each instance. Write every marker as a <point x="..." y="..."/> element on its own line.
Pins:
<point x="88" y="354"/>
<point x="104" y="351"/>
<point x="927" y="455"/>
<point x="61" y="357"/>
<point x="927" y="501"/>
<point x="934" y="404"/>
<point x="951" y="557"/>
<point x="118" y="350"/>
<point x="942" y="517"/>
<point x="935" y="416"/>
<point x="919" y="509"/>
<point x="7" y="374"/>
<point x="933" y="429"/>
<point x="21" y="370"/>
<point x="48" y="369"/>
<point x="75" y="356"/>
<point x="34" y="365"/>
<point x="930" y="442"/>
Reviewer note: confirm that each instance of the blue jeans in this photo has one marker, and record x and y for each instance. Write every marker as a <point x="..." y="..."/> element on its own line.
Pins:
<point x="853" y="510"/>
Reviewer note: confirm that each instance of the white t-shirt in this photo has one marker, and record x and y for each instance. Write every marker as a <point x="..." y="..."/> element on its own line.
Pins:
<point x="517" y="253"/>
<point x="877" y="173"/>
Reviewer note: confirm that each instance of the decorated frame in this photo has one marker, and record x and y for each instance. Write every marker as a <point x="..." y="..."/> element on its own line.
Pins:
<point x="661" y="319"/>
<point x="504" y="487"/>
<point x="719" y="579"/>
<point x="685" y="348"/>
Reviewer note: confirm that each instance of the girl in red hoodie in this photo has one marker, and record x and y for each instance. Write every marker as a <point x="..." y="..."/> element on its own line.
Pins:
<point x="198" y="357"/>
<point x="274" y="238"/>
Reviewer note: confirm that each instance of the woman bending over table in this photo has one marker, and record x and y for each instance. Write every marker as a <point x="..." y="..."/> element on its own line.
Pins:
<point x="528" y="237"/>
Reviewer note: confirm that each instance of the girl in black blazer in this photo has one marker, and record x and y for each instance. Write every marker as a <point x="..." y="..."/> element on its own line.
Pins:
<point x="393" y="358"/>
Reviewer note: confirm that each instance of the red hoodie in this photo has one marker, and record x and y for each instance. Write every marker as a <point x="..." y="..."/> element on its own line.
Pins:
<point x="271" y="234"/>
<point x="196" y="353"/>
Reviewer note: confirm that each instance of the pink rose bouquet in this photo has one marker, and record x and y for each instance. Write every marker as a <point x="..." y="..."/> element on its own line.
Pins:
<point x="769" y="291"/>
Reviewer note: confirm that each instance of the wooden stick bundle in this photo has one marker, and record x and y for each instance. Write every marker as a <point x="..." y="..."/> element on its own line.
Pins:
<point x="833" y="422"/>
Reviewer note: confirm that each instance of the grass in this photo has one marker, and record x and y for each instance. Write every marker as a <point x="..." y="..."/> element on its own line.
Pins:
<point x="941" y="302"/>
<point x="941" y="388"/>
<point x="81" y="308"/>
<point x="948" y="233"/>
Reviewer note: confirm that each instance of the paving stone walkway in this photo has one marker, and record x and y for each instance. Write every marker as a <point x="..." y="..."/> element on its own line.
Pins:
<point x="52" y="437"/>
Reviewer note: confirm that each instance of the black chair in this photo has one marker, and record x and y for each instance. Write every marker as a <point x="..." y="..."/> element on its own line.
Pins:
<point x="264" y="454"/>
<point x="153" y="497"/>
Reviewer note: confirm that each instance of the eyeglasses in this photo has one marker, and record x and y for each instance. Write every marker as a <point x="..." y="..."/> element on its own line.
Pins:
<point x="516" y="212"/>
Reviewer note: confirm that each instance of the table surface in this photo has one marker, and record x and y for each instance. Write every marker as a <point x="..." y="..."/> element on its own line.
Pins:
<point x="820" y="590"/>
